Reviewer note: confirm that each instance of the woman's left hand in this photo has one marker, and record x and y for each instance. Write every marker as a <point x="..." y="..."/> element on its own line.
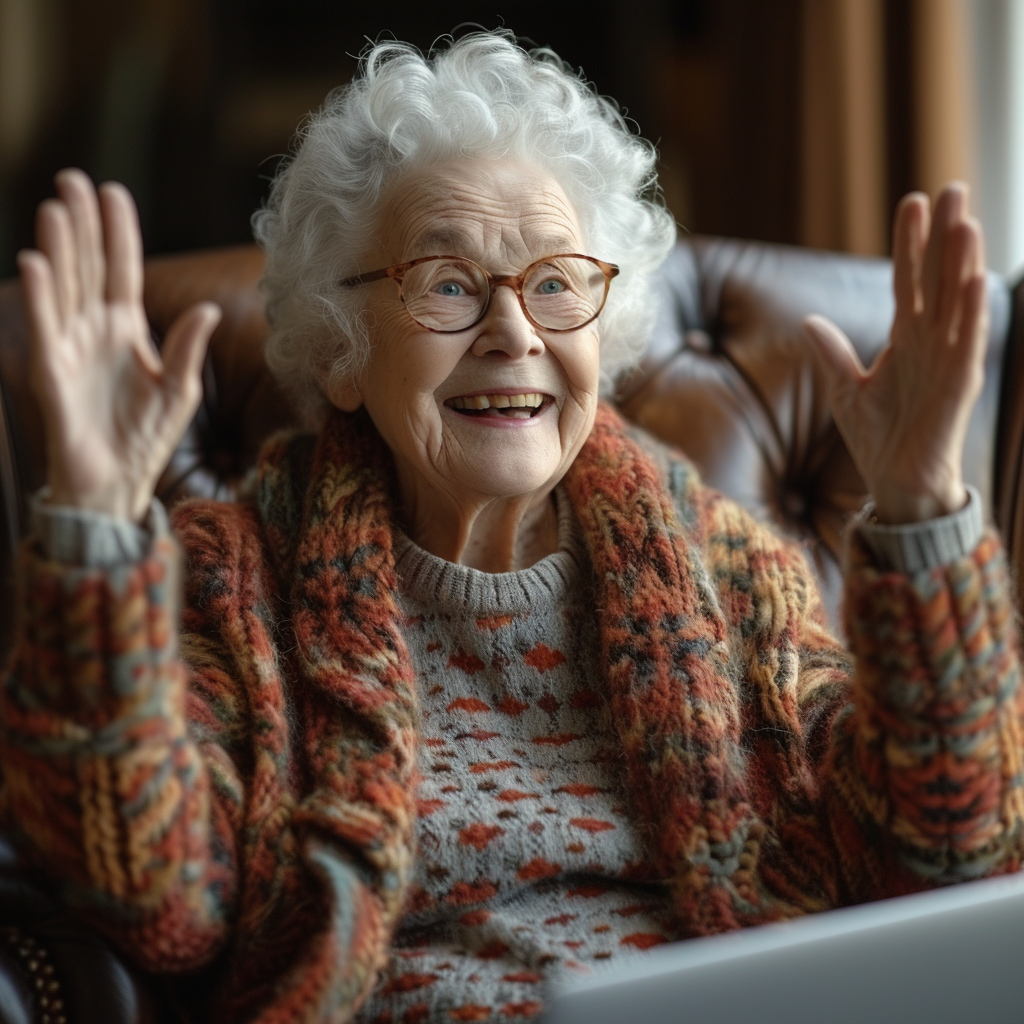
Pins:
<point x="905" y="420"/>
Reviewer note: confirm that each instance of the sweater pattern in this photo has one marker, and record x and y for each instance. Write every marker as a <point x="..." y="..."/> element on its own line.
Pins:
<point x="259" y="804"/>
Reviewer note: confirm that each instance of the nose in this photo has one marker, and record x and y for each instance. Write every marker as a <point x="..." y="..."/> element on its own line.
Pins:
<point x="504" y="329"/>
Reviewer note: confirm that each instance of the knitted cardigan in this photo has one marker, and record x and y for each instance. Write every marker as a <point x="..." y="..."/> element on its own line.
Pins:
<point x="256" y="810"/>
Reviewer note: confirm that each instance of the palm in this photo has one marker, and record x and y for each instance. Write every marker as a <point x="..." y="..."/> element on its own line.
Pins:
<point x="112" y="411"/>
<point x="905" y="420"/>
<point x="106" y="398"/>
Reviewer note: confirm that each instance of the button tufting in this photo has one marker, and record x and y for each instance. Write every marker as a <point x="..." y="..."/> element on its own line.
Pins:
<point x="699" y="341"/>
<point x="34" y="958"/>
<point x="793" y="505"/>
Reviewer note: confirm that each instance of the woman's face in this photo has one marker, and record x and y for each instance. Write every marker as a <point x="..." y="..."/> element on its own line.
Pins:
<point x="417" y="384"/>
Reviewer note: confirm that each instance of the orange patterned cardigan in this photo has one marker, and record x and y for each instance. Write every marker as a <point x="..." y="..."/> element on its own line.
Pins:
<point x="246" y="790"/>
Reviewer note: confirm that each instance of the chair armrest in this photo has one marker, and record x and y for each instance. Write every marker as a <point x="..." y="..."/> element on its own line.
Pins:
<point x="55" y="970"/>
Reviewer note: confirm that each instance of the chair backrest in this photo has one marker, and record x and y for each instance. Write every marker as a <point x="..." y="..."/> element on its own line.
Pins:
<point x="728" y="377"/>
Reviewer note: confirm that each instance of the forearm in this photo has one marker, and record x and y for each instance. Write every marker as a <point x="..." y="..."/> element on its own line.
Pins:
<point x="104" y="787"/>
<point x="925" y="779"/>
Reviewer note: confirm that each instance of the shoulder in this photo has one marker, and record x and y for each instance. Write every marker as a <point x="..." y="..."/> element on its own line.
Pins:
<point x="268" y="513"/>
<point x="748" y="560"/>
<point x="226" y="559"/>
<point x="704" y="513"/>
<point x="678" y="474"/>
<point x="215" y="530"/>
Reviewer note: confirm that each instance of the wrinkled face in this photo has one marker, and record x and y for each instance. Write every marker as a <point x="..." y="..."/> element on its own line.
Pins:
<point x="499" y="409"/>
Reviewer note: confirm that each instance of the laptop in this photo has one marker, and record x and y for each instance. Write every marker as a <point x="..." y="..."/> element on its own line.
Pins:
<point x="952" y="956"/>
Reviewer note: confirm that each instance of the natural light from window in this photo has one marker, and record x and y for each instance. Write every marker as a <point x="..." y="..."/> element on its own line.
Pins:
<point x="999" y="125"/>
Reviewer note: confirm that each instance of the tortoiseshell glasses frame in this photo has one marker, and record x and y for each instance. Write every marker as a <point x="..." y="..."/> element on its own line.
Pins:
<point x="398" y="272"/>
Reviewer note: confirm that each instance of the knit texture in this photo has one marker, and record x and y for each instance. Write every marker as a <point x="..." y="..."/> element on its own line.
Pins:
<point x="529" y="865"/>
<point x="260" y="805"/>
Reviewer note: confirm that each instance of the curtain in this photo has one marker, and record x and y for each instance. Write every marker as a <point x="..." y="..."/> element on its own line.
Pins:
<point x="886" y="102"/>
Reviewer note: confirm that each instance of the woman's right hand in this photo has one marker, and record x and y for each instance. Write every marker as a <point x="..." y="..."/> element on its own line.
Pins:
<point x="113" y="411"/>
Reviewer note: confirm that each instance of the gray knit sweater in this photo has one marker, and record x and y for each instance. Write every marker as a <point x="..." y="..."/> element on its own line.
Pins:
<point x="530" y="865"/>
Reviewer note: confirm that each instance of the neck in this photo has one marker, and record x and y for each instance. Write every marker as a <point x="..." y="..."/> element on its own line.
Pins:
<point x="490" y="534"/>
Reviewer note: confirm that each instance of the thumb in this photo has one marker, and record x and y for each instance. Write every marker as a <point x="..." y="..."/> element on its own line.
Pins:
<point x="184" y="349"/>
<point x="835" y="353"/>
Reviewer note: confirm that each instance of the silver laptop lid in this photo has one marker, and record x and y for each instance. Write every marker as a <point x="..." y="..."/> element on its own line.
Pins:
<point x="953" y="956"/>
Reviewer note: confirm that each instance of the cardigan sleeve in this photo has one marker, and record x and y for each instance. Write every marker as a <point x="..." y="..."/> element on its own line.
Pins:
<point x="163" y="790"/>
<point x="912" y="547"/>
<point x="887" y="766"/>
<point x="892" y="764"/>
<point x="923" y="776"/>
<point x="107" y="787"/>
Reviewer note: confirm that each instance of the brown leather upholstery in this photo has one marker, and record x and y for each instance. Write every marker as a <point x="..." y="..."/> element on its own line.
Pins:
<point x="53" y="968"/>
<point x="728" y="378"/>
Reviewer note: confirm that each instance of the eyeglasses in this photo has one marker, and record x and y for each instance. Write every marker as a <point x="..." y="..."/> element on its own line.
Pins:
<point x="445" y="294"/>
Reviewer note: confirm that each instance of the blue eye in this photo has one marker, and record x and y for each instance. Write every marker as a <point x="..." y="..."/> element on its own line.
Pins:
<point x="551" y="287"/>
<point x="450" y="289"/>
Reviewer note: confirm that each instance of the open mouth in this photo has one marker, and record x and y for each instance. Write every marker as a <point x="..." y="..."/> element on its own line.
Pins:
<point x="513" y="407"/>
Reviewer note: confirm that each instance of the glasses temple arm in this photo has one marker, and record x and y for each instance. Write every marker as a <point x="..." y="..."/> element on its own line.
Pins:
<point x="373" y="275"/>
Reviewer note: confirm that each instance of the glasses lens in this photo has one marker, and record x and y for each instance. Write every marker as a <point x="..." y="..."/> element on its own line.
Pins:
<point x="445" y="294"/>
<point x="564" y="292"/>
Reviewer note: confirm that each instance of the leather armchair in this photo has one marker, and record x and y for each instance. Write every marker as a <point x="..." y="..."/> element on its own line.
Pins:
<point x="728" y="377"/>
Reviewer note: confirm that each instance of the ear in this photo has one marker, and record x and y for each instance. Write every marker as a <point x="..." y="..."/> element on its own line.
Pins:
<point x="344" y="395"/>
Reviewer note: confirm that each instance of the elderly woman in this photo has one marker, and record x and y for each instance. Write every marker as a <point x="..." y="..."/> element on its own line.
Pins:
<point x="480" y="686"/>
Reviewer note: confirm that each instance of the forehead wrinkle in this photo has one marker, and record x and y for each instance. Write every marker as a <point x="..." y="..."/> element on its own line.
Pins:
<point x="514" y="243"/>
<point x="442" y="241"/>
<point x="466" y="218"/>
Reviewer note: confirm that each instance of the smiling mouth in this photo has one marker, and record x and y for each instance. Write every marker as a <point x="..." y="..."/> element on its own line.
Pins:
<point x="518" y="407"/>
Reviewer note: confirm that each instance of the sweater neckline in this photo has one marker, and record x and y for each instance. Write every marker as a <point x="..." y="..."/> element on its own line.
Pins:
<point x="426" y="578"/>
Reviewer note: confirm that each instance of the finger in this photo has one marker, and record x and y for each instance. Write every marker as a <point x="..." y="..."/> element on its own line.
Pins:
<point x="835" y="352"/>
<point x="910" y="230"/>
<point x="972" y="333"/>
<point x="183" y="352"/>
<point x="122" y="239"/>
<point x="79" y="195"/>
<point x="950" y="208"/>
<point x="974" y="318"/>
<point x="958" y="260"/>
<point x="980" y="257"/>
<point x="40" y="298"/>
<point x="56" y="242"/>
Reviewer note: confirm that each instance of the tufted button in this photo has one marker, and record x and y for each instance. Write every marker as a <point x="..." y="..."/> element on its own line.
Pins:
<point x="699" y="341"/>
<point x="792" y="504"/>
<point x="34" y="959"/>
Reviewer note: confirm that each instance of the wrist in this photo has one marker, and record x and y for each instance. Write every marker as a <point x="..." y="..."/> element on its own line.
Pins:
<point x="92" y="540"/>
<point x="899" y="508"/>
<point x="117" y="503"/>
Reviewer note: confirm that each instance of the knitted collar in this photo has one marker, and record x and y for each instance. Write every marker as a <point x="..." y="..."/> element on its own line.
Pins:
<point x="328" y="509"/>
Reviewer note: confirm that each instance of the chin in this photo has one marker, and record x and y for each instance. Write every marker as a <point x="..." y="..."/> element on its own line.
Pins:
<point x="516" y="482"/>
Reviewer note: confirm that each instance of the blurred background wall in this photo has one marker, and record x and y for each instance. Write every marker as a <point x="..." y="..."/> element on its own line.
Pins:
<point x="797" y="121"/>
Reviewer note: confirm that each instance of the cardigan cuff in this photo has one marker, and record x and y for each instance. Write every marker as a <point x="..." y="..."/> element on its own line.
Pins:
<point x="917" y="547"/>
<point x="93" y="540"/>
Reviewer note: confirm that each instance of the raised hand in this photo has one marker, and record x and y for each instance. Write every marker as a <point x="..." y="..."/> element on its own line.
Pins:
<point x="112" y="410"/>
<point x="905" y="420"/>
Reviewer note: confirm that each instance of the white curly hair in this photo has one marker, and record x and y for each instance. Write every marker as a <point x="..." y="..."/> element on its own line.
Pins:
<point x="483" y="96"/>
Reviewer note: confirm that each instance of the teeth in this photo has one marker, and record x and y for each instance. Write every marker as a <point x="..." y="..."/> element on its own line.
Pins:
<point x="533" y="400"/>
